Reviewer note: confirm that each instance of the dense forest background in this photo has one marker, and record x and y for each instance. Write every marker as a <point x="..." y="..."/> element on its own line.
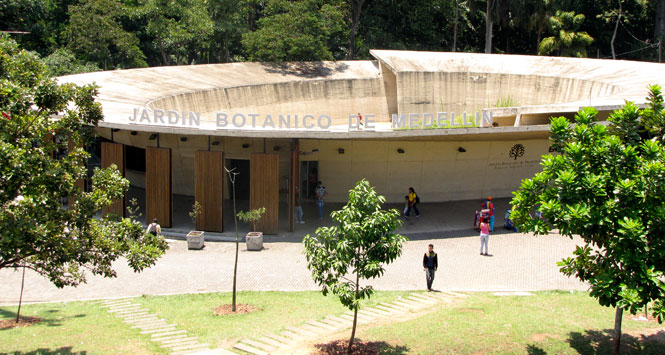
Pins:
<point x="86" y="35"/>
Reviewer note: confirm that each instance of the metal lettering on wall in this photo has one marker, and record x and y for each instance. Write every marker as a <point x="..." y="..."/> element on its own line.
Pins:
<point x="224" y="120"/>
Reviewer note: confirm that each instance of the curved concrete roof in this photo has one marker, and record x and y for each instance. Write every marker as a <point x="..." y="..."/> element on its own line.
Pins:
<point x="398" y="82"/>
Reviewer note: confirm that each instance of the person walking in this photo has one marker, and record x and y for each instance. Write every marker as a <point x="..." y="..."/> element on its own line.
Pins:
<point x="298" y="208"/>
<point x="413" y="202"/>
<point x="154" y="228"/>
<point x="430" y="264"/>
<point x="484" y="235"/>
<point x="488" y="205"/>
<point x="321" y="194"/>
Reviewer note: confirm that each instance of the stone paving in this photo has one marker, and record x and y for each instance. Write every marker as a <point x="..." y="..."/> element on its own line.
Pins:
<point x="517" y="262"/>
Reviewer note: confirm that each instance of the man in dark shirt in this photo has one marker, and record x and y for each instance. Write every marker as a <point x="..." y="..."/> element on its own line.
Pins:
<point x="430" y="264"/>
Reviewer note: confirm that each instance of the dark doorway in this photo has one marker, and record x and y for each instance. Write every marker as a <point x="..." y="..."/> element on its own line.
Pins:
<point x="309" y="175"/>
<point x="242" y="179"/>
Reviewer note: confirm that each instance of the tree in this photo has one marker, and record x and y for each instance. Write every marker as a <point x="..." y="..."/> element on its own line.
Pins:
<point x="356" y="9"/>
<point x="232" y="178"/>
<point x="95" y="35"/>
<point x="306" y="30"/>
<point x="39" y="116"/>
<point x="607" y="185"/>
<point x="568" y="40"/>
<point x="63" y="62"/>
<point x="361" y="242"/>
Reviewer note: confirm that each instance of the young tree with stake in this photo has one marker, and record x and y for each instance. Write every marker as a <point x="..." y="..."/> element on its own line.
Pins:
<point x="362" y="240"/>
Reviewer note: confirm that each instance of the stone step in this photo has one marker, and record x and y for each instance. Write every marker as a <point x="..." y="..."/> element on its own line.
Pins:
<point x="150" y="324"/>
<point x="413" y="303"/>
<point x="334" y="323"/>
<point x="337" y="319"/>
<point x="116" y="304"/>
<point x="258" y="345"/>
<point x="366" y="312"/>
<point x="191" y="347"/>
<point x="159" y="330"/>
<point x="419" y="298"/>
<point x="182" y="343"/>
<point x="314" y="329"/>
<point x="280" y="339"/>
<point x="305" y="333"/>
<point x="392" y="306"/>
<point x="127" y="310"/>
<point x="322" y="325"/>
<point x="136" y="315"/>
<point x="378" y="311"/>
<point x="165" y="333"/>
<point x="123" y="306"/>
<point x="173" y="341"/>
<point x="360" y="316"/>
<point x="295" y="336"/>
<point x="131" y="312"/>
<point x="426" y="297"/>
<point x="405" y="305"/>
<point x="272" y="342"/>
<point x="392" y="311"/>
<point x="423" y="303"/>
<point x="140" y="321"/>
<point x="155" y="326"/>
<point x="250" y="349"/>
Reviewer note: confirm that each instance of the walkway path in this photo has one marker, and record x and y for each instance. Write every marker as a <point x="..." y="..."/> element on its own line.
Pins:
<point x="292" y="337"/>
<point x="518" y="262"/>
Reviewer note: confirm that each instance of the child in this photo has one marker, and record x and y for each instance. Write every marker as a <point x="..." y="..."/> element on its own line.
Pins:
<point x="484" y="234"/>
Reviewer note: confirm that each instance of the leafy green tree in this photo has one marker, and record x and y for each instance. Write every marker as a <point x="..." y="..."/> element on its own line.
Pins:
<point x="607" y="185"/>
<point x="305" y="30"/>
<point x="95" y="34"/>
<point x="361" y="242"/>
<point x="63" y="62"/>
<point x="228" y="18"/>
<point x="568" y="40"/>
<point x="36" y="231"/>
<point x="181" y="29"/>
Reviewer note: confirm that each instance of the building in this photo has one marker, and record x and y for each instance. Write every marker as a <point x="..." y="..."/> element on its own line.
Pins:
<point x="454" y="126"/>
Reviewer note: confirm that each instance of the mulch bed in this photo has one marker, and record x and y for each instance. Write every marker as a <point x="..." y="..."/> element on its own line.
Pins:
<point x="22" y="322"/>
<point x="338" y="347"/>
<point x="241" y="308"/>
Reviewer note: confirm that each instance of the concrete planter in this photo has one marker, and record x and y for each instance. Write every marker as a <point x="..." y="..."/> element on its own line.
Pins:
<point x="195" y="240"/>
<point x="254" y="240"/>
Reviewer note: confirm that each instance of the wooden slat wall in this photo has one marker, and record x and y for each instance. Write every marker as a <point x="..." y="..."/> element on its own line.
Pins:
<point x="294" y="180"/>
<point x="114" y="153"/>
<point x="264" y="190"/>
<point x="208" y="187"/>
<point x="159" y="200"/>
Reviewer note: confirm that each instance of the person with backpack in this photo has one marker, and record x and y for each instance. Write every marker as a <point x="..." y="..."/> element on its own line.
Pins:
<point x="413" y="202"/>
<point x="154" y="228"/>
<point x="488" y="205"/>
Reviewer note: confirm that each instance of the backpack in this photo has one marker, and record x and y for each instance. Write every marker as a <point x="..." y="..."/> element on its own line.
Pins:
<point x="417" y="199"/>
<point x="153" y="227"/>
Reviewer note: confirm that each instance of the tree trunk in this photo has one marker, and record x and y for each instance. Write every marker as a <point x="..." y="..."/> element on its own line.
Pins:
<point x="488" y="27"/>
<point x="20" y="299"/>
<point x="355" y="320"/>
<point x="617" y="331"/>
<point x="616" y="28"/>
<point x="455" y="26"/>
<point x="235" y="264"/>
<point x="165" y="61"/>
<point x="356" y="9"/>
<point x="659" y="28"/>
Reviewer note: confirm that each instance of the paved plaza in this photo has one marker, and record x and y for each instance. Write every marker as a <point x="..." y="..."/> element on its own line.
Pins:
<point x="517" y="262"/>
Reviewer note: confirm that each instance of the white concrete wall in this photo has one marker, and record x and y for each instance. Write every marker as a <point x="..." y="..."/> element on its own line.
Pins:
<point x="436" y="170"/>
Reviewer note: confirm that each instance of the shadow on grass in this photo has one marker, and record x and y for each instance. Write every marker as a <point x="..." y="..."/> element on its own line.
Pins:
<point x="49" y="322"/>
<point x="65" y="350"/>
<point x="338" y="347"/>
<point x="601" y="342"/>
<point x="534" y="350"/>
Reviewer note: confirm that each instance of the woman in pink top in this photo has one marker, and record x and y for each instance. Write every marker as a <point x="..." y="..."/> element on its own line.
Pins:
<point x="484" y="235"/>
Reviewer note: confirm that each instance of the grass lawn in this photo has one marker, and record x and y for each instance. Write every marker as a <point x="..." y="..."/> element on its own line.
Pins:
<point x="86" y="327"/>
<point x="549" y="322"/>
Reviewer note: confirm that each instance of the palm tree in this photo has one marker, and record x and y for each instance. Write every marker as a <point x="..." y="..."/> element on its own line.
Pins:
<point x="568" y="40"/>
